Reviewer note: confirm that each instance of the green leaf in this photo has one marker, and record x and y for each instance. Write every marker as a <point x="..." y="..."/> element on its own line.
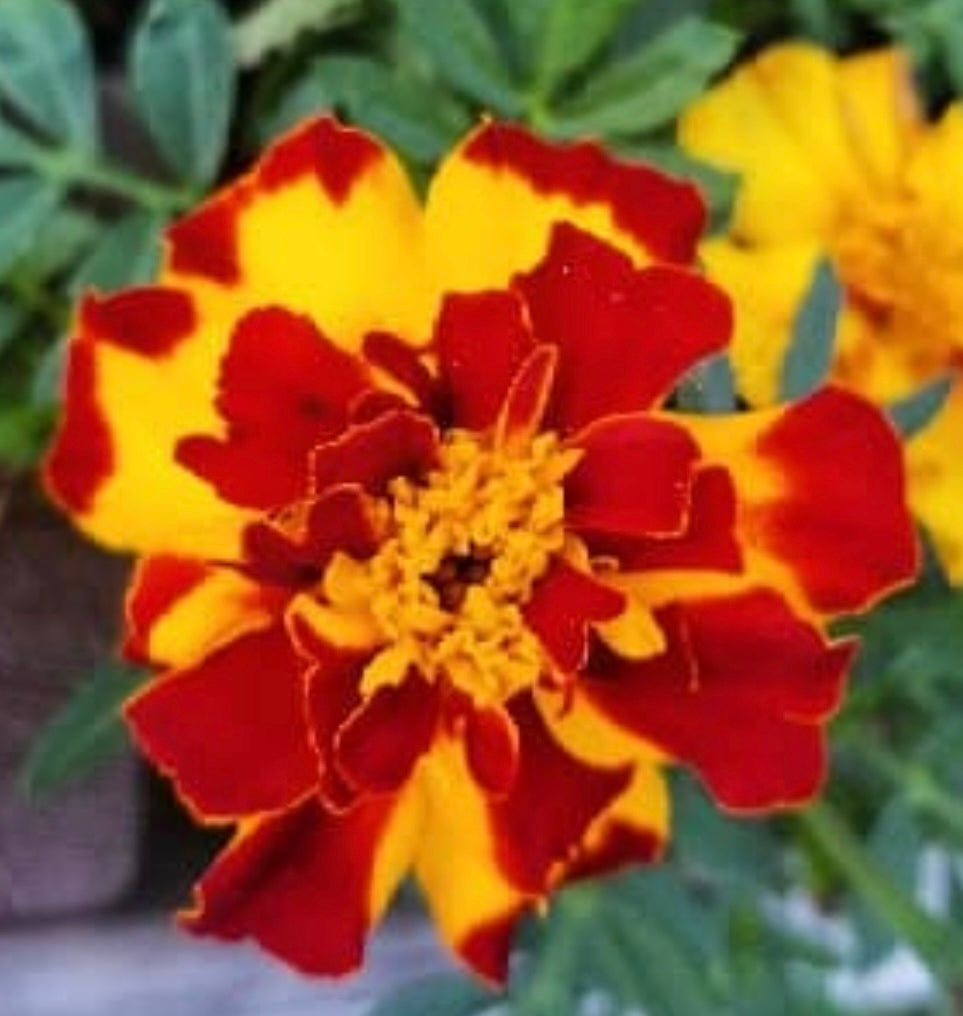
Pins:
<point x="16" y="149"/>
<point x="127" y="253"/>
<point x="46" y="69"/>
<point x="437" y="995"/>
<point x="814" y="332"/>
<point x="709" y="387"/>
<point x="83" y="733"/>
<point x="26" y="203"/>
<point x="182" y="61"/>
<point x="62" y="241"/>
<point x="24" y="431"/>
<point x="459" y="43"/>
<point x="276" y="24"/>
<point x="650" y="87"/>
<point x="47" y="381"/>
<point x="409" y="115"/>
<point x="12" y="318"/>
<point x="912" y="414"/>
<point x="573" y="33"/>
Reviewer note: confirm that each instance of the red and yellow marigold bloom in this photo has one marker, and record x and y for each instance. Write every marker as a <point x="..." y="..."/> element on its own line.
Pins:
<point x="837" y="160"/>
<point x="432" y="580"/>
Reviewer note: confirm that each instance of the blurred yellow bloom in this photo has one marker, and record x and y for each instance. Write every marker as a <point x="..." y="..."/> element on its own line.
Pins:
<point x="837" y="160"/>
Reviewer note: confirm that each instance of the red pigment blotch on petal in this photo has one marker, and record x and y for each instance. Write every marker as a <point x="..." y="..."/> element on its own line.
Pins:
<point x="338" y="156"/>
<point x="665" y="215"/>
<point x="204" y="243"/>
<point x="150" y="320"/>
<point x="486" y="948"/>
<point x="82" y="456"/>
<point x="158" y="584"/>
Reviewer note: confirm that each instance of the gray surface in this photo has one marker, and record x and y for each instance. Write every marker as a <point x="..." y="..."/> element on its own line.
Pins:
<point x="143" y="966"/>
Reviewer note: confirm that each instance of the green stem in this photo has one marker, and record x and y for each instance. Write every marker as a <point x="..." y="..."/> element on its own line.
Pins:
<point x="67" y="168"/>
<point x="937" y="944"/>
<point x="917" y="783"/>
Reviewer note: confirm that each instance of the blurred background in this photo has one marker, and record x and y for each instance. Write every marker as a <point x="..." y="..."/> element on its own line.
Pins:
<point x="117" y="116"/>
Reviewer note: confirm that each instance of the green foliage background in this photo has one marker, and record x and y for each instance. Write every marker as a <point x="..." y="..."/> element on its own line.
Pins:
<point x="201" y="86"/>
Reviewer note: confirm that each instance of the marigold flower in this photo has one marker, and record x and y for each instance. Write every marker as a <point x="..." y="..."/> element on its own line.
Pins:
<point x="432" y="580"/>
<point x="838" y="161"/>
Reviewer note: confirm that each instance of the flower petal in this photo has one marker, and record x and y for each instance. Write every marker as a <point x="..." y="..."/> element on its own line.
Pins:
<point x="491" y="748"/>
<point x="936" y="481"/>
<point x="821" y="492"/>
<point x="308" y="884"/>
<point x="527" y="399"/>
<point x="625" y="335"/>
<point x="474" y="903"/>
<point x="562" y="606"/>
<point x="708" y="540"/>
<point x="339" y="520"/>
<point x="634" y="829"/>
<point x="493" y="202"/>
<point x="397" y="443"/>
<point x="882" y="110"/>
<point x="634" y="478"/>
<point x="566" y="793"/>
<point x="283" y="389"/>
<point x="378" y="746"/>
<point x="179" y="609"/>
<point x="111" y="462"/>
<point x="231" y="730"/>
<point x="740" y="694"/>
<point x="778" y="121"/>
<point x="351" y="219"/>
<point x="482" y="340"/>
<point x="324" y="202"/>
<point x="767" y="284"/>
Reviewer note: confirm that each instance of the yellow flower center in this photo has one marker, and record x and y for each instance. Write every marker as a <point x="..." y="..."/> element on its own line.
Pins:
<point x="464" y="549"/>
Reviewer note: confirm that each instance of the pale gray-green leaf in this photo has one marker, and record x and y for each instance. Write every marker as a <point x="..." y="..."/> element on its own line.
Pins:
<point x="26" y="203"/>
<point x="182" y="63"/>
<point x="650" y="87"/>
<point x="46" y="69"/>
<point x="276" y="24"/>
<point x="461" y="46"/>
<point x="810" y="352"/>
<point x="127" y="253"/>
<point x="87" y="730"/>
<point x="912" y="414"/>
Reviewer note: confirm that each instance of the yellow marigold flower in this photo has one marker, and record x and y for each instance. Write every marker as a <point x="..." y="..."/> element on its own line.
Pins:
<point x="431" y="580"/>
<point x="837" y="160"/>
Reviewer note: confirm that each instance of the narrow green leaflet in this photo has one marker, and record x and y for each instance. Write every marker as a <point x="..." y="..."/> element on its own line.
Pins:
<point x="912" y="414"/>
<point x="275" y="24"/>
<point x="458" y="41"/>
<point x="438" y="995"/>
<point x="182" y="62"/>
<point x="46" y="69"/>
<point x="86" y="731"/>
<point x="810" y="352"/>
<point x="127" y="253"/>
<point x="573" y="32"/>
<point x="650" y="87"/>
<point x="26" y="203"/>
